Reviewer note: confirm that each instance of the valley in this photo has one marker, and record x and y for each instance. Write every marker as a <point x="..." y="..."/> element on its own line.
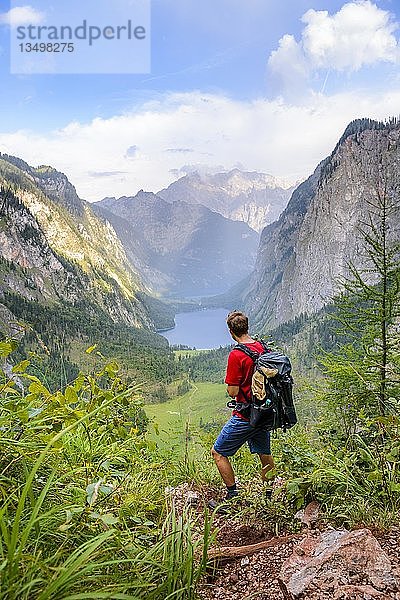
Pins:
<point x="238" y="164"/>
<point x="184" y="250"/>
<point x="113" y="353"/>
<point x="138" y="261"/>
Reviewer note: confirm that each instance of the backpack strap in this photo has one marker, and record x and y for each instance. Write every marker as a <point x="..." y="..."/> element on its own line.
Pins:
<point x="253" y="355"/>
<point x="265" y="346"/>
<point x="243" y="348"/>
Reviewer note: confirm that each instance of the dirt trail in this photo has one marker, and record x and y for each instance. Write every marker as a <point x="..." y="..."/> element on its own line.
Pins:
<point x="255" y="575"/>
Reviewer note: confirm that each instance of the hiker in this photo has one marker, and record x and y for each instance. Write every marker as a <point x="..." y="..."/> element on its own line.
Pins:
<point x="238" y="429"/>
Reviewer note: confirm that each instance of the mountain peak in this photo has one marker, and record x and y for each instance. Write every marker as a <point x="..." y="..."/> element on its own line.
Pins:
<point x="246" y="179"/>
<point x="252" y="197"/>
<point x="60" y="249"/>
<point x="358" y="126"/>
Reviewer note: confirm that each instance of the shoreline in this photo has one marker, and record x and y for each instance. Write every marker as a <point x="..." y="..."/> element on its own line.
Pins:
<point x="165" y="330"/>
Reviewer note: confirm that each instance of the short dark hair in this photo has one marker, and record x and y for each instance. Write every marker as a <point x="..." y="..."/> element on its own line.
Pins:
<point x="238" y="323"/>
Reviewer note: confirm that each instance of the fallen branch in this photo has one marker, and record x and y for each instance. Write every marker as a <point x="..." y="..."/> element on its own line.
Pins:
<point x="237" y="551"/>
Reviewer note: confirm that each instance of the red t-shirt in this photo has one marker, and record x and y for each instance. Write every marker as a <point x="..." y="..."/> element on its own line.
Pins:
<point x="240" y="371"/>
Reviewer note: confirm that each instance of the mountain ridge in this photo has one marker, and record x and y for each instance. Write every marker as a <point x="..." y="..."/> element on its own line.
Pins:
<point x="196" y="250"/>
<point x="56" y="232"/>
<point x="302" y="256"/>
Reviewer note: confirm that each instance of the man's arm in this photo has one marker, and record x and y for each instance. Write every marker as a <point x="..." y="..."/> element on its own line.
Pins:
<point x="233" y="374"/>
<point x="232" y="390"/>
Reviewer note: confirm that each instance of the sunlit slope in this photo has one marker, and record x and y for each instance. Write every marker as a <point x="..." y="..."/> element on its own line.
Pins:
<point x="82" y="249"/>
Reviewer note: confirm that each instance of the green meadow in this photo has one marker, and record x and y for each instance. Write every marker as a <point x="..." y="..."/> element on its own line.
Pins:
<point x="204" y="403"/>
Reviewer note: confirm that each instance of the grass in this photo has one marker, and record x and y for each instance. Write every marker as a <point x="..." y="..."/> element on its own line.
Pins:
<point x="206" y="402"/>
<point x="88" y="518"/>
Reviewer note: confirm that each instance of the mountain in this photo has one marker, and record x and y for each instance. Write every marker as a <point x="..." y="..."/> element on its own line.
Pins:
<point x="255" y="198"/>
<point x="303" y="254"/>
<point x="54" y="249"/>
<point x="181" y="249"/>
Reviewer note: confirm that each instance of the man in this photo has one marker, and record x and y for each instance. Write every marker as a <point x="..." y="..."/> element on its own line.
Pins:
<point x="238" y="430"/>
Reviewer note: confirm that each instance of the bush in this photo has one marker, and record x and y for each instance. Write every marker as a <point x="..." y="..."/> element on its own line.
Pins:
<point x="82" y="508"/>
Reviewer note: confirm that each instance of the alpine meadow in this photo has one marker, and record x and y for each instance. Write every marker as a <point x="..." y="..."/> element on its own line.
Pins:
<point x="251" y="175"/>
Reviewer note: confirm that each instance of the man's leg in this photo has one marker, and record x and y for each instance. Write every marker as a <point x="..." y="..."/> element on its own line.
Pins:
<point x="260" y="444"/>
<point x="267" y="463"/>
<point x="232" y="436"/>
<point x="224" y="467"/>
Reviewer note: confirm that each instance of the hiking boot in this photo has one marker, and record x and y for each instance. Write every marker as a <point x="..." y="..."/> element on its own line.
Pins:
<point x="268" y="493"/>
<point x="231" y="495"/>
<point x="223" y="506"/>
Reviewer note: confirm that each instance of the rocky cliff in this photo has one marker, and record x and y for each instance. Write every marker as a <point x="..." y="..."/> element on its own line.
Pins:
<point x="255" y="198"/>
<point x="181" y="249"/>
<point x="54" y="248"/>
<point x="302" y="256"/>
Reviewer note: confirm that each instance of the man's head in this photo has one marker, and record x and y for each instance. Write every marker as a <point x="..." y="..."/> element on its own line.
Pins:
<point x="238" y="324"/>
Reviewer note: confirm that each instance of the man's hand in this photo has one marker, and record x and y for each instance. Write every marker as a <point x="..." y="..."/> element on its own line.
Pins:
<point x="232" y="390"/>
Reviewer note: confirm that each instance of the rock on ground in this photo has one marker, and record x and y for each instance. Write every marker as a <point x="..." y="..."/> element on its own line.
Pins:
<point x="337" y="559"/>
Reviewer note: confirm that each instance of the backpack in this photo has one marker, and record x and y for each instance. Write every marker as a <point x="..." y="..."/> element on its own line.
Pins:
<point x="271" y="398"/>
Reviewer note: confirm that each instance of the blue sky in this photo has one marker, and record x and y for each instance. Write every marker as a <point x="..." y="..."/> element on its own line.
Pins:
<point x="250" y="83"/>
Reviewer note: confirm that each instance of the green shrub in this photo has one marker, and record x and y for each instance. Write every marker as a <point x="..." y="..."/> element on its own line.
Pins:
<point x="82" y="507"/>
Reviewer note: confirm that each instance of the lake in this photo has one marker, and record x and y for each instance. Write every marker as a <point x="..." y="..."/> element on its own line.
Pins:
<point x="201" y="329"/>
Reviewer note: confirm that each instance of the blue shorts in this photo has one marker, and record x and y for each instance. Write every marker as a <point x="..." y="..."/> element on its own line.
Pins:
<point x="236" y="432"/>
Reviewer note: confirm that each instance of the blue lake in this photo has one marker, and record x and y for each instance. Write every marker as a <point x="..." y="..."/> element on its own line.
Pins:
<point x="201" y="329"/>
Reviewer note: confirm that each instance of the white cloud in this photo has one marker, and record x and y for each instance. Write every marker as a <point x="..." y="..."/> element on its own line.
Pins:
<point x="22" y="15"/>
<point x="359" y="34"/>
<point x="270" y="136"/>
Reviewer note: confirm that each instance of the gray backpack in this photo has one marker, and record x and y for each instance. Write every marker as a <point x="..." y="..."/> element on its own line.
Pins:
<point x="271" y="403"/>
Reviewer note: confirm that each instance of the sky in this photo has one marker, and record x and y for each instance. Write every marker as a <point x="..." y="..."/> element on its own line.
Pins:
<point x="262" y="85"/>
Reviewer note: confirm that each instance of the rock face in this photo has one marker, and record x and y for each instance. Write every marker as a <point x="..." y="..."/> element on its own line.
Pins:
<point x="341" y="563"/>
<point x="303" y="254"/>
<point x="36" y="270"/>
<point x="53" y="247"/>
<point x="255" y="198"/>
<point x="183" y="249"/>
